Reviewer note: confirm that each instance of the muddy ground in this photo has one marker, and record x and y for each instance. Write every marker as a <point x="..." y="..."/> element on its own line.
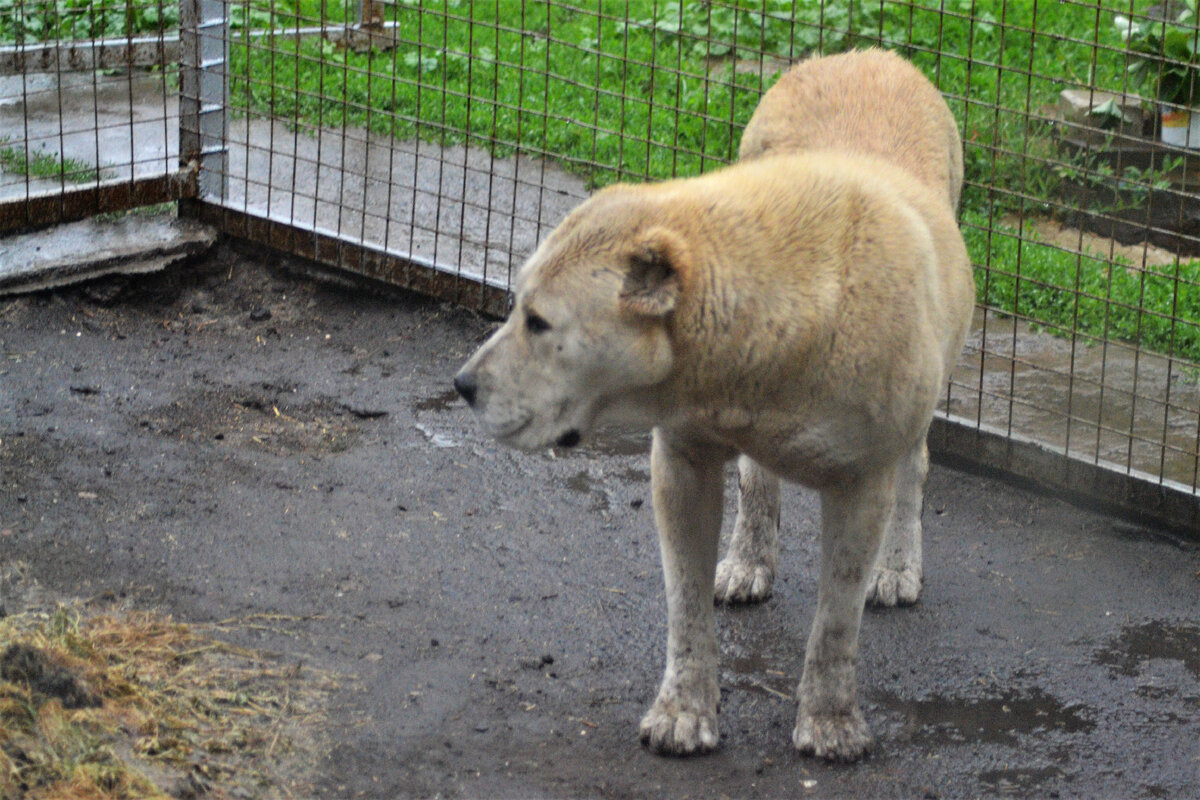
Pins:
<point x="231" y="439"/>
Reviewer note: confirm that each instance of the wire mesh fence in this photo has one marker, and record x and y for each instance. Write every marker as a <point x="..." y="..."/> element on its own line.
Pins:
<point x="432" y="143"/>
<point x="88" y="108"/>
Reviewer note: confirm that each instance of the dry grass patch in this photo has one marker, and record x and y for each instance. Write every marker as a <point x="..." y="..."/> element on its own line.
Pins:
<point x="115" y="704"/>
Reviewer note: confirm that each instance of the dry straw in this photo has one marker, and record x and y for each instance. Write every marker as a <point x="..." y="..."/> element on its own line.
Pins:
<point x="115" y="704"/>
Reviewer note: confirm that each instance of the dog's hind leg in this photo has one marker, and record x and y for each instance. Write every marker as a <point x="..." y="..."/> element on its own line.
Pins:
<point x="747" y="573"/>
<point x="897" y="577"/>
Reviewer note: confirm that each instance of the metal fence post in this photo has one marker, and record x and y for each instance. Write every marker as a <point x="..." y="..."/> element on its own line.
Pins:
<point x="370" y="14"/>
<point x="204" y="94"/>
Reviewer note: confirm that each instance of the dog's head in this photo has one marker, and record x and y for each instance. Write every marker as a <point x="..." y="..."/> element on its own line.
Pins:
<point x="590" y="331"/>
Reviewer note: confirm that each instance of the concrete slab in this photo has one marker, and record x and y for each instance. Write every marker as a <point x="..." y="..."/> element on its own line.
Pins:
<point x="460" y="209"/>
<point x="94" y="248"/>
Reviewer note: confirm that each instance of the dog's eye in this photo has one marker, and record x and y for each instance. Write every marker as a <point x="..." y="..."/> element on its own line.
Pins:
<point x="536" y="324"/>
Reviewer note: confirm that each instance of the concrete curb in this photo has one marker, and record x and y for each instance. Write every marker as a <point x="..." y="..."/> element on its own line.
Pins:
<point x="93" y="248"/>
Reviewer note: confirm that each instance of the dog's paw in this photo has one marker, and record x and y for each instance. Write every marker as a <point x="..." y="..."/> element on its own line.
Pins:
<point x="679" y="733"/>
<point x="741" y="582"/>
<point x="894" y="587"/>
<point x="843" y="738"/>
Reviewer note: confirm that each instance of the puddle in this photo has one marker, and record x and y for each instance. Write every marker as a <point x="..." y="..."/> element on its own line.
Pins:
<point x="1137" y="644"/>
<point x="1019" y="782"/>
<point x="583" y="483"/>
<point x="439" y="402"/>
<point x="990" y="720"/>
<point x="634" y="475"/>
<point x="436" y="438"/>
<point x="755" y="673"/>
<point x="612" y="443"/>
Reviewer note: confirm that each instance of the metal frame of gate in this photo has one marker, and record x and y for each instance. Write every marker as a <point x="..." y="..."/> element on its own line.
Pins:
<point x="36" y="204"/>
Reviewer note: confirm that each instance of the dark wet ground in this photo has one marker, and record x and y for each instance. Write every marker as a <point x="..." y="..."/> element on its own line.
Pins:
<point x="235" y="441"/>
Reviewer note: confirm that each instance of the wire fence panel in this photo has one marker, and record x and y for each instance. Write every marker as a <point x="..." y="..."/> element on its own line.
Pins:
<point x="433" y="143"/>
<point x="88" y="109"/>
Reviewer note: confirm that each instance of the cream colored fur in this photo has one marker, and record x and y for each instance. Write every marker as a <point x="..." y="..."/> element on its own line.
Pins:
<point x="865" y="101"/>
<point x="875" y="103"/>
<point x="801" y="310"/>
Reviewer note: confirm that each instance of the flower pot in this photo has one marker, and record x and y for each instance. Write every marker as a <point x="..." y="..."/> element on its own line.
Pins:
<point x="1181" y="127"/>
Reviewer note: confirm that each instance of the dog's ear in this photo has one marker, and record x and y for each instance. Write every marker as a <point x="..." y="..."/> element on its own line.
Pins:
<point x="651" y="285"/>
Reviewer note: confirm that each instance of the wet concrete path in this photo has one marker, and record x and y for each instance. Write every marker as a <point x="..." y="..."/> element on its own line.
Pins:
<point x="229" y="441"/>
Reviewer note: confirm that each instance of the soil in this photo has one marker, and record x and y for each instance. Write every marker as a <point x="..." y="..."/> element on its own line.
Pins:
<point x="233" y="439"/>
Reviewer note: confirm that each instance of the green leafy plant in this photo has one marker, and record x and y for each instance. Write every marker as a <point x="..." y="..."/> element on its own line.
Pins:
<point x="1155" y="307"/>
<point x="24" y="21"/>
<point x="714" y="31"/>
<point x="1168" y="52"/>
<point x="1114" y="191"/>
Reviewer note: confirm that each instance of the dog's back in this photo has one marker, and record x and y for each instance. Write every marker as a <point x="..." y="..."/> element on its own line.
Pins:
<point x="865" y="101"/>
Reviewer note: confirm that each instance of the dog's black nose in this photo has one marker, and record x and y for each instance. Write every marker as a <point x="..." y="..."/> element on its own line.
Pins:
<point x="465" y="385"/>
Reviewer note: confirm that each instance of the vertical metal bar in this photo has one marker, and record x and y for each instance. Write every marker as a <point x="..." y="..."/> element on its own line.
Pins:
<point x="204" y="94"/>
<point x="370" y="14"/>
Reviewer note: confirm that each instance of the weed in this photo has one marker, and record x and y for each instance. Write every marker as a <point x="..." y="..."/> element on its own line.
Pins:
<point x="27" y="21"/>
<point x="1156" y="307"/>
<point x="169" y="208"/>
<point x="44" y="165"/>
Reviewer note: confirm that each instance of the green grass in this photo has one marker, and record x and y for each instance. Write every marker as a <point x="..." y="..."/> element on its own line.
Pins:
<point x="515" y="76"/>
<point x="648" y="90"/>
<point x="1157" y="308"/>
<point x="44" y="165"/>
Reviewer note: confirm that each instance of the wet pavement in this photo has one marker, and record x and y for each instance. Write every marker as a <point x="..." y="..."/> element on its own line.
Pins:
<point x="1101" y="402"/>
<point x="228" y="440"/>
<point x="124" y="123"/>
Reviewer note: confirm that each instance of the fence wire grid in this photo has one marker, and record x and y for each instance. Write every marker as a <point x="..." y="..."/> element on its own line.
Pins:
<point x="88" y="109"/>
<point x="433" y="144"/>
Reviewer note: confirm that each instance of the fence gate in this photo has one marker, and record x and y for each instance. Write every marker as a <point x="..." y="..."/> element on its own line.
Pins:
<point x="432" y="143"/>
<point x="88" y="110"/>
<point x="309" y="160"/>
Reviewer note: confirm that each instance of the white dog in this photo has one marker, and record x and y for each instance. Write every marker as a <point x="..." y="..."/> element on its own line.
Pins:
<point x="801" y="309"/>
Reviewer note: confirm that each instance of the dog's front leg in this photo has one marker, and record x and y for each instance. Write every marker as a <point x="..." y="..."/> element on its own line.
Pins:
<point x="829" y="723"/>
<point x="687" y="484"/>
